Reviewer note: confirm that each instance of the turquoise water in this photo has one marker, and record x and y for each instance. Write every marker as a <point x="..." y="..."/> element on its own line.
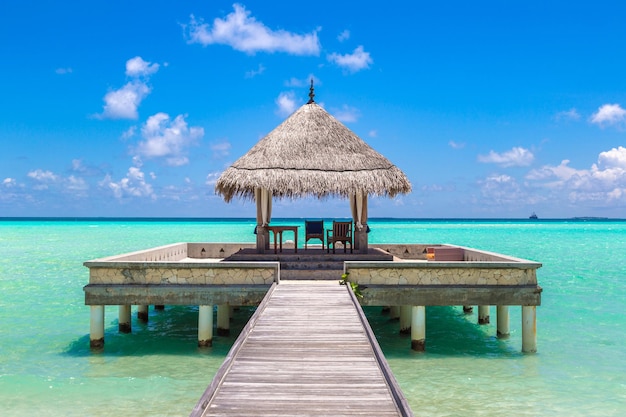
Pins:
<point x="46" y="367"/>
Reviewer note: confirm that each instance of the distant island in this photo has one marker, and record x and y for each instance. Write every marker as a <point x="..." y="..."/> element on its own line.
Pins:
<point x="590" y="218"/>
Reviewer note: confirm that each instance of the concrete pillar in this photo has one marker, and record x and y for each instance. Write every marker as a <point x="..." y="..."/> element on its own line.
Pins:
<point x="418" y="328"/>
<point x="142" y="312"/>
<point x="529" y="329"/>
<point x="124" y="319"/>
<point x="483" y="314"/>
<point x="394" y="312"/>
<point x="96" y="327"/>
<point x="502" y="314"/>
<point x="223" y="320"/>
<point x="468" y="309"/>
<point x="205" y="326"/>
<point x="405" y="319"/>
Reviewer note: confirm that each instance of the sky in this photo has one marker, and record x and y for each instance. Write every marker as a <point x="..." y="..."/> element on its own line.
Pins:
<point x="492" y="109"/>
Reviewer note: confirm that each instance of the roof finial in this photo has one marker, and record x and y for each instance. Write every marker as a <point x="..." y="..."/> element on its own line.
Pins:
<point x="311" y="93"/>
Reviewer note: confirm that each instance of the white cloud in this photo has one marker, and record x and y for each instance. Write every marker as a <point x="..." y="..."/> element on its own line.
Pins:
<point x="286" y="103"/>
<point x="76" y="185"/>
<point x="609" y="114"/>
<point x="220" y="149"/>
<point x="243" y="32"/>
<point x="133" y="185"/>
<point x="517" y="156"/>
<point x="603" y="182"/>
<point x="212" y="177"/>
<point x="456" y="145"/>
<point x="347" y="114"/>
<point x="372" y="133"/>
<point x="165" y="138"/>
<point x="253" y="73"/>
<point x="9" y="182"/>
<point x="354" y="62"/>
<point x="571" y="114"/>
<point x="64" y="71"/>
<point x="615" y="158"/>
<point x="123" y="103"/>
<point x="344" y="36"/>
<point x="43" y="176"/>
<point x="137" y="67"/>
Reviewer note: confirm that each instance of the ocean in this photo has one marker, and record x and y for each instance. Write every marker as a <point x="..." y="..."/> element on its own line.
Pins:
<point x="47" y="369"/>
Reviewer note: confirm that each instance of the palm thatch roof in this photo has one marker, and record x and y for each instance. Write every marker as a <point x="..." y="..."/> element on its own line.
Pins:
<point x="312" y="153"/>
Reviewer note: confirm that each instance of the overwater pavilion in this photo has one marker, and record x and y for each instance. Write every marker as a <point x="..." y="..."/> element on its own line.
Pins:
<point x="313" y="154"/>
<point x="310" y="154"/>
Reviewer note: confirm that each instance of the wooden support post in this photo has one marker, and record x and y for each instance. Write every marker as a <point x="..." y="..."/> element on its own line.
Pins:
<point x="418" y="328"/>
<point x="160" y="307"/>
<point x="96" y="327"/>
<point x="223" y="320"/>
<point x="205" y="326"/>
<point x="124" y="319"/>
<point x="142" y="313"/>
<point x="468" y="309"/>
<point x="405" y="319"/>
<point x="483" y="314"/>
<point x="502" y="313"/>
<point x="529" y="329"/>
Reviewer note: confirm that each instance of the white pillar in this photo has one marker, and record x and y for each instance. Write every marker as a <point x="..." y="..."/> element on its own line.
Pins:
<point x="394" y="312"/>
<point x="223" y="320"/>
<point x="502" y="313"/>
<point x="405" y="319"/>
<point x="96" y="327"/>
<point x="483" y="314"/>
<point x="205" y="326"/>
<point x="529" y="329"/>
<point x="418" y="328"/>
<point x="124" y="319"/>
<point x="142" y="312"/>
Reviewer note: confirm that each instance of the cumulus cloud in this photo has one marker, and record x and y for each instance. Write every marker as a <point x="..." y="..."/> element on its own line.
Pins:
<point x="344" y="36"/>
<point x="212" y="177"/>
<point x="242" y="32"/>
<point x="609" y="114"/>
<point x="63" y="71"/>
<point x="286" y="103"/>
<point x="346" y="114"/>
<point x="571" y="114"/>
<point x="169" y="139"/>
<point x="220" y="149"/>
<point x="517" y="156"/>
<point x="604" y="181"/>
<point x="253" y="73"/>
<point x="43" y="178"/>
<point x="137" y="67"/>
<point x="354" y="62"/>
<point x="9" y="182"/>
<point x="123" y="103"/>
<point x="456" y="145"/>
<point x="134" y="184"/>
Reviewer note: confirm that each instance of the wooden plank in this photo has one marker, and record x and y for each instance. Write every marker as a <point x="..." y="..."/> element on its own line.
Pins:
<point x="307" y="353"/>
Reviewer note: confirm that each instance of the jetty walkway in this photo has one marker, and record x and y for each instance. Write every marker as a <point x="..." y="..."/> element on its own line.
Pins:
<point x="307" y="351"/>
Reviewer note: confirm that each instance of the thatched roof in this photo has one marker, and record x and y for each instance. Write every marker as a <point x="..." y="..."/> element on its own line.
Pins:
<point x="312" y="153"/>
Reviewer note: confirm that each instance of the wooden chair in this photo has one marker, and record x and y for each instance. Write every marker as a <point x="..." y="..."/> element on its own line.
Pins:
<point x="313" y="229"/>
<point x="341" y="232"/>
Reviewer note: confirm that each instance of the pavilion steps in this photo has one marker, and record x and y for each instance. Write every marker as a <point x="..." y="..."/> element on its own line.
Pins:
<point x="311" y="264"/>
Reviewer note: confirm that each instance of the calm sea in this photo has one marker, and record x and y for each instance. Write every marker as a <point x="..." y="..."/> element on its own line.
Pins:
<point x="46" y="367"/>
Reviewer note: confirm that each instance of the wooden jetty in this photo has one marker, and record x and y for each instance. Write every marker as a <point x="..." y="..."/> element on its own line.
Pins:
<point x="307" y="351"/>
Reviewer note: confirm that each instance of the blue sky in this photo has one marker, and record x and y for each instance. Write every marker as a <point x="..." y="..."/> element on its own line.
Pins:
<point x="491" y="108"/>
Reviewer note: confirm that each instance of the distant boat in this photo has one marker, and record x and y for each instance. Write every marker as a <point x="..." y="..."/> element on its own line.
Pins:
<point x="533" y="216"/>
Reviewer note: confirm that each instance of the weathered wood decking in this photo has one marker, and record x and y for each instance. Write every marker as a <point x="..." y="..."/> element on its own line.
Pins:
<point x="307" y="351"/>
